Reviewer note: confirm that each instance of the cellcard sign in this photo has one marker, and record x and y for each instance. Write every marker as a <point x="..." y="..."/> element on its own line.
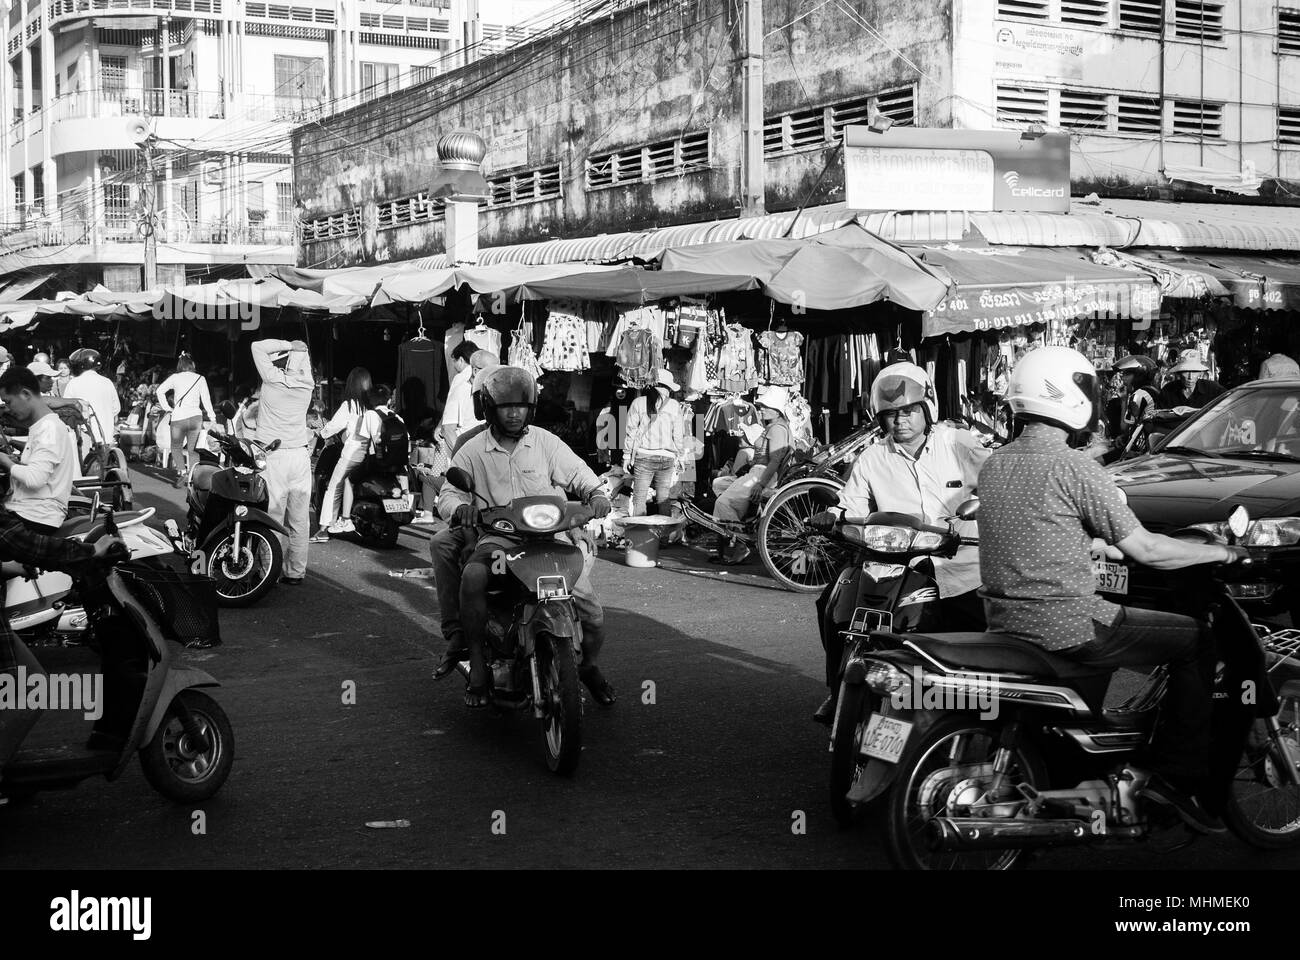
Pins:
<point x="907" y="168"/>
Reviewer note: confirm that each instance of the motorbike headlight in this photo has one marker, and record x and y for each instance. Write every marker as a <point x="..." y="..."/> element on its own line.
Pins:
<point x="1269" y="532"/>
<point x="541" y="516"/>
<point x="883" y="539"/>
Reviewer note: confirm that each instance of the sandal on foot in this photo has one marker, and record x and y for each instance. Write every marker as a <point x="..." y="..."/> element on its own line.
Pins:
<point x="601" y="689"/>
<point x="448" y="662"/>
<point x="476" y="697"/>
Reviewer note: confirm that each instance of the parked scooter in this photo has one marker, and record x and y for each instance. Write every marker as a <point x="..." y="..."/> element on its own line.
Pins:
<point x="229" y="536"/>
<point x="151" y="706"/>
<point x="381" y="499"/>
<point x="896" y="593"/>
<point x="977" y="788"/>
<point x="534" y="638"/>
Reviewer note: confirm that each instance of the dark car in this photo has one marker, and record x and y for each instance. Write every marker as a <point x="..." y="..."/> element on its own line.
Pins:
<point x="1243" y="448"/>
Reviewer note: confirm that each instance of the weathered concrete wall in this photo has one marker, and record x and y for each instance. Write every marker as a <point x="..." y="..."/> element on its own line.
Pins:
<point x="651" y="73"/>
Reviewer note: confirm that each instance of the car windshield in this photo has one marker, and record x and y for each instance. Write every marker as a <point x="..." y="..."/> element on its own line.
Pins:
<point x="1258" y="422"/>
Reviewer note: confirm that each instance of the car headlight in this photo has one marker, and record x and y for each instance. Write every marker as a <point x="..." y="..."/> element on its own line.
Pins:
<point x="1269" y="532"/>
<point x="541" y="516"/>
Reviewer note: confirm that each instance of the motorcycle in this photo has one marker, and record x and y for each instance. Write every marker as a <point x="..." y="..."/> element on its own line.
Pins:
<point x="229" y="536"/>
<point x="380" y="503"/>
<point x="534" y="638"/>
<point x="151" y="705"/>
<point x="896" y="593"/>
<point x="45" y="607"/>
<point x="969" y="787"/>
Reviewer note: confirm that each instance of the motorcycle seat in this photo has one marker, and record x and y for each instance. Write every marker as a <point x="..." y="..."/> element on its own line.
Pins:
<point x="998" y="653"/>
<point x="201" y="476"/>
<point x="1127" y="719"/>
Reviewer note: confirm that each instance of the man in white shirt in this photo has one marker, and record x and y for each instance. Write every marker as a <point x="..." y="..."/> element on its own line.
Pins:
<point x="286" y="393"/>
<point x="458" y="414"/>
<point x="40" y="481"/>
<point x="923" y="468"/>
<point x="97" y="390"/>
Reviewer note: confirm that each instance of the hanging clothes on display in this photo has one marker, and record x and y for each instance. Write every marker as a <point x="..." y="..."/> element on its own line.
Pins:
<point x="636" y="348"/>
<point x="418" y="360"/>
<point x="521" y="352"/>
<point x="485" y="338"/>
<point x="650" y="318"/>
<point x="737" y="366"/>
<point x="780" y="361"/>
<point x="565" y="347"/>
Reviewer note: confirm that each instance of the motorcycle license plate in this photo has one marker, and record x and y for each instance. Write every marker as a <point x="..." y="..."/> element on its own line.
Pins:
<point x="552" y="588"/>
<point x="1111" y="577"/>
<point x="398" y="505"/>
<point x="885" y="738"/>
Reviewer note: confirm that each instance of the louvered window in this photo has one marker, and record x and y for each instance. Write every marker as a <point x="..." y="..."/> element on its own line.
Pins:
<point x="1145" y="16"/>
<point x="899" y="105"/>
<point x="1021" y="104"/>
<point x="1083" y="111"/>
<point x="1192" y="118"/>
<point x="1032" y="9"/>
<point x="667" y="158"/>
<point x="1093" y="13"/>
<point x="1288" y="30"/>
<point x="526" y="186"/>
<point x="1194" y="20"/>
<point x="1137" y="115"/>
<point x="1288" y="125"/>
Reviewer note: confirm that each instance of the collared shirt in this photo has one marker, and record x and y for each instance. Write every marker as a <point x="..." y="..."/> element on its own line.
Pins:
<point x="98" y="391"/>
<point x="41" y="482"/>
<point x="19" y="543"/>
<point x="285" y="396"/>
<point x="540" y="465"/>
<point x="459" y="410"/>
<point x="1041" y="505"/>
<point x="931" y="485"/>
<point x="661" y="435"/>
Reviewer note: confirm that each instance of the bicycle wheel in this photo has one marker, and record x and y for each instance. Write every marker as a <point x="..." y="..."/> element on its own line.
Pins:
<point x="798" y="557"/>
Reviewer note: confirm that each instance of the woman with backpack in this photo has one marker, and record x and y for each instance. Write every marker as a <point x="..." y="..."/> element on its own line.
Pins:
<point x="357" y="422"/>
<point x="186" y="403"/>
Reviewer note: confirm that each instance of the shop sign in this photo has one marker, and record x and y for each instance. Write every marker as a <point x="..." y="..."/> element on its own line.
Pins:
<point x="508" y="150"/>
<point x="974" y="309"/>
<point x="907" y="168"/>
<point x="1040" y="51"/>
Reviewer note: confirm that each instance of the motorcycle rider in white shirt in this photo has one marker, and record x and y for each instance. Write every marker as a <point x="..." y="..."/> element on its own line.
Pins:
<point x="95" y="389"/>
<point x="924" y="468"/>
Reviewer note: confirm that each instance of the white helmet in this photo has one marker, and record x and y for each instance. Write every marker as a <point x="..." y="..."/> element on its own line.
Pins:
<point x="901" y="385"/>
<point x="1057" y="384"/>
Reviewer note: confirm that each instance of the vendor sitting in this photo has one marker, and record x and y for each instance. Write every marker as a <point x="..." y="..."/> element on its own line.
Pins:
<point x="743" y="497"/>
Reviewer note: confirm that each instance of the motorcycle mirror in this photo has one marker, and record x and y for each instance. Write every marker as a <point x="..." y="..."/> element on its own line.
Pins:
<point x="461" y="480"/>
<point x="1239" y="521"/>
<point x="824" y="497"/>
<point x="968" y="509"/>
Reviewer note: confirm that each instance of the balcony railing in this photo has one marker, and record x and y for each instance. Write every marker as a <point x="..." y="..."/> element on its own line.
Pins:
<point x="63" y="8"/>
<point x="150" y="102"/>
<point x="121" y="227"/>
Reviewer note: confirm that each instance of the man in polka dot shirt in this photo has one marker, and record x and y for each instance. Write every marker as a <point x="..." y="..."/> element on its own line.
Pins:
<point x="1044" y="508"/>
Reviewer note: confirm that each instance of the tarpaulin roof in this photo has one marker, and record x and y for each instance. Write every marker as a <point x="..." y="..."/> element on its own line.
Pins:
<point x="842" y="268"/>
<point x="1181" y="280"/>
<point x="997" y="287"/>
<point x="1264" y="283"/>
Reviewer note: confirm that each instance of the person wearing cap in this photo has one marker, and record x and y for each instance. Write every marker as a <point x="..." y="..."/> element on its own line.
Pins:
<point x="96" y="390"/>
<point x="44" y="374"/>
<point x="744" y="496"/>
<point x="653" y="443"/>
<point x="286" y="395"/>
<point x="40" y="480"/>
<point x="1279" y="366"/>
<point x="923" y="468"/>
<point x="1188" y="388"/>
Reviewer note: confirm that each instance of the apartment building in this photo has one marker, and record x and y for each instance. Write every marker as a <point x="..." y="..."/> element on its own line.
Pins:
<point x="177" y="113"/>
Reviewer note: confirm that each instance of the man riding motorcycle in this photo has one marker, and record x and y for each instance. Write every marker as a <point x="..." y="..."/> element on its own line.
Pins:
<point x="923" y="468"/>
<point x="1042" y="503"/>
<point x="513" y="459"/>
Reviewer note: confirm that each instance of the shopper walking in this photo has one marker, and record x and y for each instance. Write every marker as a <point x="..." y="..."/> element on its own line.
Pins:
<point x="190" y="403"/>
<point x="357" y="421"/>
<point x="287" y="387"/>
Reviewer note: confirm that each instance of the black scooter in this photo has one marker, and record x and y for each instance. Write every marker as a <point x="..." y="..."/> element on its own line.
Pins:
<point x="229" y="536"/>
<point x="534" y="637"/>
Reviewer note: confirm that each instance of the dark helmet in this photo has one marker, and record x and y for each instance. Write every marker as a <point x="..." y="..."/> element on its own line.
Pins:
<point x="1143" y="368"/>
<point x="504" y="387"/>
<point x="84" y="359"/>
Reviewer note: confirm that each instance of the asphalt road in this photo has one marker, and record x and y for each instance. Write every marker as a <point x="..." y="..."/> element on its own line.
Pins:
<point x="714" y="770"/>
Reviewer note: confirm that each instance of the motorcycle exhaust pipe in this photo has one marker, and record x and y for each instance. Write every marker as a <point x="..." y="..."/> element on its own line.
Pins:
<point x="949" y="833"/>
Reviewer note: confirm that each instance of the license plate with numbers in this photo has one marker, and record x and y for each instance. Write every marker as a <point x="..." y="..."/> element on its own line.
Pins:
<point x="1111" y="577"/>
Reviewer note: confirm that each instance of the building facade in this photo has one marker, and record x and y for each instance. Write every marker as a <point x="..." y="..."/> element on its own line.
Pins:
<point x="212" y="89"/>
<point x="636" y="120"/>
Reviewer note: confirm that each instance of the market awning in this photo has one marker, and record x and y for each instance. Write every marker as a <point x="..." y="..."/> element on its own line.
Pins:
<point x="1263" y="283"/>
<point x="1243" y="291"/>
<point x="632" y="285"/>
<point x="842" y="268"/>
<point x="1000" y="287"/>
<point x="1180" y="280"/>
<point x="18" y="288"/>
<point x="505" y="279"/>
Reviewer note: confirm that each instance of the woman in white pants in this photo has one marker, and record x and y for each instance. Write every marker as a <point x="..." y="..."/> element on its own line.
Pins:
<point x="355" y="419"/>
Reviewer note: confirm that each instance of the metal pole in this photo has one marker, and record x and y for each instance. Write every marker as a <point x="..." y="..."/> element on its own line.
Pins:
<point x="752" y="190"/>
<point x="149" y="221"/>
